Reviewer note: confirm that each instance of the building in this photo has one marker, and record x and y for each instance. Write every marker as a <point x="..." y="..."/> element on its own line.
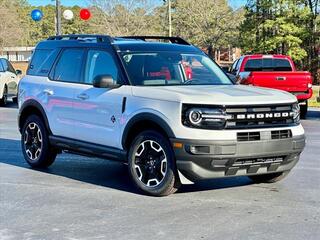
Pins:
<point x="18" y="56"/>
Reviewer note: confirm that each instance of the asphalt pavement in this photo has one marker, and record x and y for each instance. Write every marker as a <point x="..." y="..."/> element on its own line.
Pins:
<point x="88" y="198"/>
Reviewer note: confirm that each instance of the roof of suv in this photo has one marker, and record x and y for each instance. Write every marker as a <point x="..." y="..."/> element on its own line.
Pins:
<point x="127" y="43"/>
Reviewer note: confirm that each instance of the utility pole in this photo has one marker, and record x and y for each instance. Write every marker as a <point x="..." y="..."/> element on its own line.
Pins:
<point x="58" y="18"/>
<point x="169" y="16"/>
<point x="170" y="20"/>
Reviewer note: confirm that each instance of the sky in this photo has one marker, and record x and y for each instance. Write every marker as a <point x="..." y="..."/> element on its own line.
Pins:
<point x="83" y="3"/>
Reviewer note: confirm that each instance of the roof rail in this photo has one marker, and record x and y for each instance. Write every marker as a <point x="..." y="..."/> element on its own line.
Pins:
<point x="177" y="40"/>
<point x="83" y="37"/>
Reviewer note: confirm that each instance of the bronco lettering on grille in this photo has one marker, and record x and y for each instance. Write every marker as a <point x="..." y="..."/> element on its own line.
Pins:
<point x="264" y="115"/>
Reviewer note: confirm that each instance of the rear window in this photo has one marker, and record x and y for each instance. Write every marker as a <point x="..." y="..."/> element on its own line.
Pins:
<point x="42" y="61"/>
<point x="267" y="65"/>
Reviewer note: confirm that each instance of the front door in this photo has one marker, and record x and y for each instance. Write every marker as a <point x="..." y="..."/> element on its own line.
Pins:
<point x="98" y="111"/>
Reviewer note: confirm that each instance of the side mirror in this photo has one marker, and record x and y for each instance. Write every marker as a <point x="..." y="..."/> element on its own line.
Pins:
<point x="18" y="72"/>
<point x="105" y="81"/>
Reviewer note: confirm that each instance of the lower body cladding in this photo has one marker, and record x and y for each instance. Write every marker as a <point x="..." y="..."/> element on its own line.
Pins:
<point x="198" y="160"/>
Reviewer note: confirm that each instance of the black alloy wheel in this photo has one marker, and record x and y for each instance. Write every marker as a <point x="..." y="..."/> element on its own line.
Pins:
<point x="152" y="165"/>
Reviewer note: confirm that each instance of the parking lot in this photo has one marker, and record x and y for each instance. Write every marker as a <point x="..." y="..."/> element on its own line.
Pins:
<point x="87" y="198"/>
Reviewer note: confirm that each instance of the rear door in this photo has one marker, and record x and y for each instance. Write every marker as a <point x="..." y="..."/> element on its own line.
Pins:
<point x="59" y="91"/>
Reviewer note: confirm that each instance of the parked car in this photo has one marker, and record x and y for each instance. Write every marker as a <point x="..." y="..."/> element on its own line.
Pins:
<point x="8" y="81"/>
<point x="133" y="101"/>
<point x="274" y="71"/>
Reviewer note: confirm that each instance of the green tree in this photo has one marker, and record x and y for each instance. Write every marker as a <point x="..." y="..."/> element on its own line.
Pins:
<point x="10" y="27"/>
<point x="283" y="27"/>
<point x="209" y="24"/>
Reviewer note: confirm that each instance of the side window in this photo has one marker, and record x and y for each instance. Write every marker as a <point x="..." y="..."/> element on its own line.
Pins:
<point x="42" y="61"/>
<point x="11" y="68"/>
<point x="1" y="67"/>
<point x="5" y="65"/>
<point x="100" y="63"/>
<point x="68" y="68"/>
<point x="234" y="65"/>
<point x="239" y="64"/>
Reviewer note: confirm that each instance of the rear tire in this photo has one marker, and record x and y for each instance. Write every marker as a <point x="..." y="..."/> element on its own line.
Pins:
<point x="304" y="110"/>
<point x="4" y="99"/>
<point x="35" y="144"/>
<point x="269" y="178"/>
<point x="152" y="164"/>
<point x="15" y="99"/>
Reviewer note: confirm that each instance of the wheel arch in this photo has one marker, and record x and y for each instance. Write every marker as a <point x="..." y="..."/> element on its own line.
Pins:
<point x="32" y="107"/>
<point x="144" y="121"/>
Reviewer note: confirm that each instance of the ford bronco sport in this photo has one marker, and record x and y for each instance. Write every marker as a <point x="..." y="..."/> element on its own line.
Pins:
<point x="158" y="104"/>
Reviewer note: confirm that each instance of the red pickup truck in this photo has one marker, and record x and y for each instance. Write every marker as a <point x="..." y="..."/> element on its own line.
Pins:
<point x="274" y="71"/>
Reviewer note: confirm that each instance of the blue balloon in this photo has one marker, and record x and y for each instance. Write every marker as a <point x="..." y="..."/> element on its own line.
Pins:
<point x="36" y="15"/>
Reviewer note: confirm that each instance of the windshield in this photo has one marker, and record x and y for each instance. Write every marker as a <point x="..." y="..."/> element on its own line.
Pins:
<point x="172" y="68"/>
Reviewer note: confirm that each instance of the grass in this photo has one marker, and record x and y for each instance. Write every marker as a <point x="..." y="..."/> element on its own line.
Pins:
<point x="312" y="102"/>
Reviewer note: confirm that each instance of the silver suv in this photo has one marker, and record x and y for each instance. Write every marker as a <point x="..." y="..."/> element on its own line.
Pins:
<point x="163" y="107"/>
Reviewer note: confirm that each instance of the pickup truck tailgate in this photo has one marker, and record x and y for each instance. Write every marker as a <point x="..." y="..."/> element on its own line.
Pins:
<point x="287" y="81"/>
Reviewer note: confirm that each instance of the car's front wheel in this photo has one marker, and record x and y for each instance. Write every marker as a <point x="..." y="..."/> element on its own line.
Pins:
<point x="35" y="143"/>
<point x="304" y="110"/>
<point x="152" y="165"/>
<point x="4" y="99"/>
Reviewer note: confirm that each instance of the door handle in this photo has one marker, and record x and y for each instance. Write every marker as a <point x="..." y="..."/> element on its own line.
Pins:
<point x="48" y="91"/>
<point x="83" y="96"/>
<point x="281" y="78"/>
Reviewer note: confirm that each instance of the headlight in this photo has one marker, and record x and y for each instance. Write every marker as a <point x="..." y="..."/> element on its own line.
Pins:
<point x="296" y="112"/>
<point x="203" y="117"/>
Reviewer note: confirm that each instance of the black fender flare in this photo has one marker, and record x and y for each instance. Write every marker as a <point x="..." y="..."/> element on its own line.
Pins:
<point x="146" y="117"/>
<point x="32" y="104"/>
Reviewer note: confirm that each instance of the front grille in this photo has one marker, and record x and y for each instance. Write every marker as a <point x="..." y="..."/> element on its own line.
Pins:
<point x="281" y="134"/>
<point x="248" y="136"/>
<point x="257" y="161"/>
<point x="259" y="116"/>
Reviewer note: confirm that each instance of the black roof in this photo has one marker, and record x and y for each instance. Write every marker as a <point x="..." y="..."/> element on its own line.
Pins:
<point x="127" y="43"/>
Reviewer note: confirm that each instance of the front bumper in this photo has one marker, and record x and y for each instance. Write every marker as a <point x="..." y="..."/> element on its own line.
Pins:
<point x="213" y="159"/>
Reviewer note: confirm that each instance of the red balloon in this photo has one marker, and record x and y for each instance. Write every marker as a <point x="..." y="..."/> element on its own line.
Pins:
<point x="85" y="14"/>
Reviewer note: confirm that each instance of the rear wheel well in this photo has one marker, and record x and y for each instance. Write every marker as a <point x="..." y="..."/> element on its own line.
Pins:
<point x="28" y="111"/>
<point x="139" y="127"/>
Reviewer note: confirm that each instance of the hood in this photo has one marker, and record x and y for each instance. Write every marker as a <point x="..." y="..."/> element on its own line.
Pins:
<point x="220" y="95"/>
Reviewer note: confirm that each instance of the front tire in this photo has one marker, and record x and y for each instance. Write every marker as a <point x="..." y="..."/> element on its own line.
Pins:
<point x="152" y="164"/>
<point x="269" y="178"/>
<point x="304" y="110"/>
<point x="15" y="99"/>
<point x="35" y="143"/>
<point x="4" y="99"/>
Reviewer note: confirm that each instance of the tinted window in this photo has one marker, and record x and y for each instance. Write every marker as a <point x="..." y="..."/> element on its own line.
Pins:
<point x="281" y="65"/>
<point x="1" y="67"/>
<point x="233" y="68"/>
<point x="267" y="64"/>
<point x="5" y="64"/>
<point x="253" y="65"/>
<point x="100" y="63"/>
<point x="42" y="61"/>
<point x="68" y="68"/>
<point x="10" y="68"/>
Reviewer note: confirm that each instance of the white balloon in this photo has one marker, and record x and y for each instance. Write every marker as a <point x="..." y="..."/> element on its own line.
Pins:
<point x="67" y="14"/>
